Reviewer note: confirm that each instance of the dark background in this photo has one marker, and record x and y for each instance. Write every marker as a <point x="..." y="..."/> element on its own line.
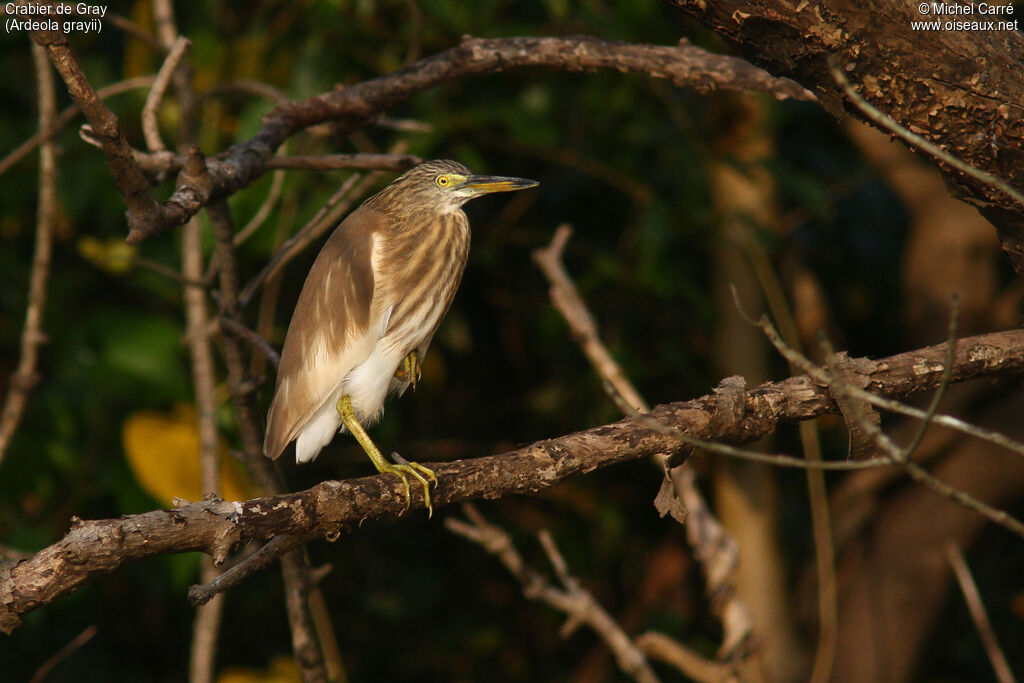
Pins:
<point x="630" y="162"/>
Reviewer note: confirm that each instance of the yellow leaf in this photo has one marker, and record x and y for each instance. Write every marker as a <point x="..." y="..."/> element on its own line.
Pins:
<point x="112" y="255"/>
<point x="163" y="452"/>
<point x="282" y="669"/>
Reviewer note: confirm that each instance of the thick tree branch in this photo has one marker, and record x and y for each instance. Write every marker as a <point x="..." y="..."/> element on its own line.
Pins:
<point x="959" y="89"/>
<point x="96" y="548"/>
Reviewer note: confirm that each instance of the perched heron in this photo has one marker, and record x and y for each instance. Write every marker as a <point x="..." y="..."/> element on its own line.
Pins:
<point x="370" y="306"/>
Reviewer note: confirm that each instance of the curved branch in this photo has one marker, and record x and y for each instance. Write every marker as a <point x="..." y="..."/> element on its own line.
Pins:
<point x="357" y="105"/>
<point x="96" y="548"/>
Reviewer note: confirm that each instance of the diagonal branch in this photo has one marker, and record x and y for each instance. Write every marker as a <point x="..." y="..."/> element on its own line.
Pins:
<point x="131" y="182"/>
<point x="96" y="548"/>
<point x="578" y="604"/>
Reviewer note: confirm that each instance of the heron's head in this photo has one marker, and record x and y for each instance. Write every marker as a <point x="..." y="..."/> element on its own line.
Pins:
<point x="442" y="186"/>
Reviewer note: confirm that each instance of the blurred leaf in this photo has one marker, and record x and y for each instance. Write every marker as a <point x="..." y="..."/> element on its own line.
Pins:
<point x="163" y="452"/>
<point x="112" y="254"/>
<point x="282" y="669"/>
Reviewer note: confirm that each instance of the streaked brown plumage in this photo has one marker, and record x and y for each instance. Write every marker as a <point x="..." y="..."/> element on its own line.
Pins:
<point x="375" y="294"/>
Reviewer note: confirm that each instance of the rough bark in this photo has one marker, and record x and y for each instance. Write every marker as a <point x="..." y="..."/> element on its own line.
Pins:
<point x="96" y="548"/>
<point x="960" y="89"/>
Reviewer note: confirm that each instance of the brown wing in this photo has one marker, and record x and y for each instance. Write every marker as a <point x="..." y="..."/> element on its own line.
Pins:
<point x="326" y="337"/>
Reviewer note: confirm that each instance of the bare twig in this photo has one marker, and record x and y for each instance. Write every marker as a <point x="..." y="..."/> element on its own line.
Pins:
<point x="63" y="653"/>
<point x="24" y="377"/>
<point x="934" y="368"/>
<point x="670" y="651"/>
<point x="933" y="407"/>
<point x="68" y="115"/>
<point x="205" y="627"/>
<point x="150" y="123"/>
<point x="261" y="215"/>
<point x="978" y="614"/>
<point x="581" y="323"/>
<point x="817" y="493"/>
<point x="578" y="604"/>
<point x="841" y="387"/>
<point x="262" y="558"/>
<point x="166" y="27"/>
<point x="208" y="617"/>
<point x="332" y="162"/>
<point x="328" y="214"/>
<point x="234" y="327"/>
<point x="249" y="87"/>
<point x="133" y="29"/>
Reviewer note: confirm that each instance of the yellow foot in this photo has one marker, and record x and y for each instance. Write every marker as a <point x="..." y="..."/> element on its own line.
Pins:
<point x="403" y="469"/>
<point x="419" y="472"/>
<point x="410" y="370"/>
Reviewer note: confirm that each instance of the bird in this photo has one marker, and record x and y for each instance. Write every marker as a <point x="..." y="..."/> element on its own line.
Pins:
<point x="370" y="305"/>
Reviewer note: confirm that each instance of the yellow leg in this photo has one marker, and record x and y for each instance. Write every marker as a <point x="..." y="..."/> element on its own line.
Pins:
<point x="419" y="472"/>
<point x="410" y="369"/>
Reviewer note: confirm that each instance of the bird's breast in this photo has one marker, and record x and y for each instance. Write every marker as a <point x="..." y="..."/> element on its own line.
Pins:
<point x="420" y="268"/>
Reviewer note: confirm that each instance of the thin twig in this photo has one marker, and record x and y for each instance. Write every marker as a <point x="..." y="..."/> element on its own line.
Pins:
<point x="169" y="273"/>
<point x="819" y="375"/>
<point x="67" y="115"/>
<point x="916" y="140"/>
<point x="205" y="627"/>
<point x="840" y="386"/>
<point x="253" y="338"/>
<point x="150" y="123"/>
<point x="581" y="323"/>
<point x="24" y="377"/>
<point x="978" y="614"/>
<point x="576" y="603"/>
<point x="324" y="218"/>
<point x="933" y="408"/>
<point x="276" y="185"/>
<point x="63" y="653"/>
<point x="228" y="579"/>
<point x="248" y="86"/>
<point x="208" y="617"/>
<point x="670" y="651"/>
<point x="332" y="162"/>
<point x="133" y="29"/>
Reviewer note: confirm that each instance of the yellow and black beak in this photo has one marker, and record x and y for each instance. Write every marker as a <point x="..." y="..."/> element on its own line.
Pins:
<point x="486" y="184"/>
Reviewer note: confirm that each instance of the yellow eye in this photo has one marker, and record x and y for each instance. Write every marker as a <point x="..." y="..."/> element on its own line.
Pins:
<point x="444" y="181"/>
